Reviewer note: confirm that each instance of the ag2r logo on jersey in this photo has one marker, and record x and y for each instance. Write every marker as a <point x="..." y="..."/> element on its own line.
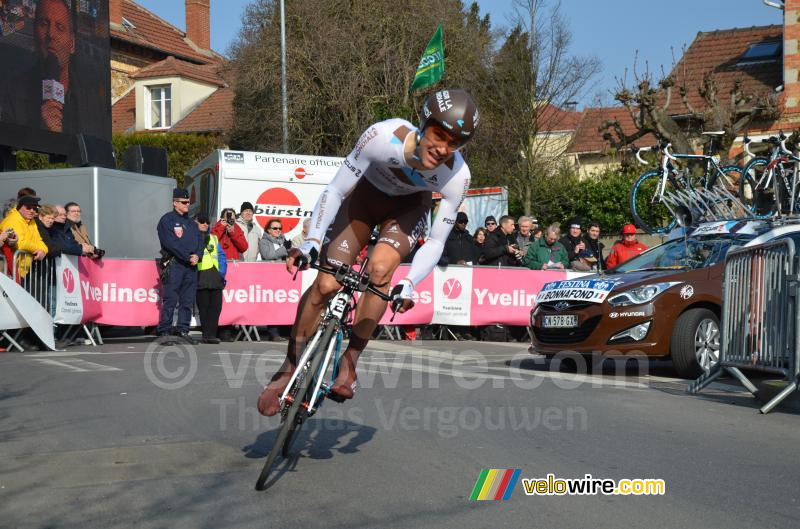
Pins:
<point x="280" y="203"/>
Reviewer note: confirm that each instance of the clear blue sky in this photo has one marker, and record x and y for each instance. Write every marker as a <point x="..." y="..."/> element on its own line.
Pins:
<point x="611" y="30"/>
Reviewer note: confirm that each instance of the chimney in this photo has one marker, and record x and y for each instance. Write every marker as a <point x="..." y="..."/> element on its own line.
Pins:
<point x="791" y="56"/>
<point x="198" y="25"/>
<point x="115" y="11"/>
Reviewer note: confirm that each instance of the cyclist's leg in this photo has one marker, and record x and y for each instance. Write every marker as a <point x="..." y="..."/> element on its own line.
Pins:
<point x="397" y="238"/>
<point x="348" y="234"/>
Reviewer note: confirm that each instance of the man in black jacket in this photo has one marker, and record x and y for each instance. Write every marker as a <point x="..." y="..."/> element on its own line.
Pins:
<point x="460" y="247"/>
<point x="573" y="241"/>
<point x="501" y="244"/>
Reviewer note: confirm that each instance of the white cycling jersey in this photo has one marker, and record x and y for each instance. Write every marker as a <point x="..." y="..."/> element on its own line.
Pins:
<point x="379" y="157"/>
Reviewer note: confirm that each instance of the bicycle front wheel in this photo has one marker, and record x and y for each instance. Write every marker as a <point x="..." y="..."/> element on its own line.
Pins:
<point x="649" y="212"/>
<point x="290" y="424"/>
<point x="752" y="192"/>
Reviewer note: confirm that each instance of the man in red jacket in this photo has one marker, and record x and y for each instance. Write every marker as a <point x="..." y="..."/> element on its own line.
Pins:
<point x="625" y="249"/>
<point x="231" y="237"/>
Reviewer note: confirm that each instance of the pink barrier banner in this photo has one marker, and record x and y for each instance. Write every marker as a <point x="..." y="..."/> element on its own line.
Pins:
<point x="128" y="293"/>
<point x="508" y="295"/>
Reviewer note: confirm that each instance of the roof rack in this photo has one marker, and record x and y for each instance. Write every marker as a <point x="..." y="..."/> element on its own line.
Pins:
<point x="707" y="205"/>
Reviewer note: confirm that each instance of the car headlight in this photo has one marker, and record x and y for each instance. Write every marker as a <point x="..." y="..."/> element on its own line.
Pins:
<point x="637" y="296"/>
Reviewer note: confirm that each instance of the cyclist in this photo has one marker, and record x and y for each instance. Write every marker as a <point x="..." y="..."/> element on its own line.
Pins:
<point x="386" y="180"/>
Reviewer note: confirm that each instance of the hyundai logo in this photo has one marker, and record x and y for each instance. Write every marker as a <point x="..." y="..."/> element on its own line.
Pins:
<point x="561" y="305"/>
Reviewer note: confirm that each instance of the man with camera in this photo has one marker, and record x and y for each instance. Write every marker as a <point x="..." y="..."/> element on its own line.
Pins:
<point x="501" y="248"/>
<point x="79" y="232"/>
<point x="181" y="248"/>
<point x="231" y="237"/>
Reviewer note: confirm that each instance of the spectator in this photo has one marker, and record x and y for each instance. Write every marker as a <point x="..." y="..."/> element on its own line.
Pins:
<point x="79" y="232"/>
<point x="524" y="235"/>
<point x="273" y="246"/>
<point x="210" y="280"/>
<point x="625" y="249"/>
<point x="537" y="234"/>
<point x="593" y="245"/>
<point x="21" y="221"/>
<point x="573" y="242"/>
<point x="547" y="252"/>
<point x="300" y="237"/>
<point x="65" y="235"/>
<point x="53" y="235"/>
<point x="459" y="247"/>
<point x="501" y="249"/>
<point x="480" y="244"/>
<point x="181" y="247"/>
<point x="230" y="235"/>
<point x="490" y="224"/>
<point x="251" y="230"/>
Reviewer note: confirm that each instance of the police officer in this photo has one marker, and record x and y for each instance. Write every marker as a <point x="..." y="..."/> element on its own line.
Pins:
<point x="182" y="243"/>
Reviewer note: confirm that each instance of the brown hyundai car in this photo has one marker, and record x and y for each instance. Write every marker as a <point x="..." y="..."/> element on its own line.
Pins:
<point x="665" y="302"/>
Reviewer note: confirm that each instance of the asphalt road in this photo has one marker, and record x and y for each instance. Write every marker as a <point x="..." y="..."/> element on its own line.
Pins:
<point x="95" y="438"/>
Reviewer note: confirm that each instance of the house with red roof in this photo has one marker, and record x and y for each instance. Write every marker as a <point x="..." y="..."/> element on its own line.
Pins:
<point x="760" y="59"/>
<point x="164" y="79"/>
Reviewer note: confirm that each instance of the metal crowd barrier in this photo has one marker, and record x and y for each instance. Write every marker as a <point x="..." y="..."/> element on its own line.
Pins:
<point x="760" y="318"/>
<point x="38" y="278"/>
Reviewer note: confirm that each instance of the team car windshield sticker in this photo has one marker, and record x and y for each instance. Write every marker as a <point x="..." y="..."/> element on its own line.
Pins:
<point x="591" y="290"/>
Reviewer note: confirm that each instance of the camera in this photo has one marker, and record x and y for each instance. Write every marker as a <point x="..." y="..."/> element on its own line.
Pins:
<point x="229" y="218"/>
<point x="98" y="253"/>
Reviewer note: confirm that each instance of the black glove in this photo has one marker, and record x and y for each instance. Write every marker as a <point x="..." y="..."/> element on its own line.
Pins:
<point x="287" y="244"/>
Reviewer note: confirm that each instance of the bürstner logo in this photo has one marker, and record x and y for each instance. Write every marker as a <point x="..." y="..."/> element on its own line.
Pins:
<point x="235" y="157"/>
<point x="280" y="203"/>
<point x="69" y="281"/>
<point x="451" y="288"/>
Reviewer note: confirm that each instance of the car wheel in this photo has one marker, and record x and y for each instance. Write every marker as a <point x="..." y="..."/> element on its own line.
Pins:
<point x="695" y="343"/>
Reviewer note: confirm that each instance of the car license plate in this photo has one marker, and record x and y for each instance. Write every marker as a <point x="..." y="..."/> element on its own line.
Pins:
<point x="560" y="321"/>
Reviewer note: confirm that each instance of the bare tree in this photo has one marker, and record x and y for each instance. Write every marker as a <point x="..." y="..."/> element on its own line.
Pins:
<point x="533" y="78"/>
<point x="649" y="104"/>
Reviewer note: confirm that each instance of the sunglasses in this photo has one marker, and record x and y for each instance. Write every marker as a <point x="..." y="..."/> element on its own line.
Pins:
<point x="182" y="201"/>
<point x="491" y="224"/>
<point x="275" y="228"/>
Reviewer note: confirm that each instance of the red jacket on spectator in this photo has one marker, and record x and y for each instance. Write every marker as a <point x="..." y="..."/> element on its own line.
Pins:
<point x="624" y="250"/>
<point x="9" y="254"/>
<point x="233" y="244"/>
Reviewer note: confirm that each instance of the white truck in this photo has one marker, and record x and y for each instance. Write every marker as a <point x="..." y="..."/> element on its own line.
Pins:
<point x="287" y="186"/>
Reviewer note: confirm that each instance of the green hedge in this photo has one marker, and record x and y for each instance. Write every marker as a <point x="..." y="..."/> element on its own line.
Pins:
<point x="563" y="196"/>
<point x="183" y="151"/>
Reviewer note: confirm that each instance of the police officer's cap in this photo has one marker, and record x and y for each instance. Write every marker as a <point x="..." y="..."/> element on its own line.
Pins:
<point x="178" y="193"/>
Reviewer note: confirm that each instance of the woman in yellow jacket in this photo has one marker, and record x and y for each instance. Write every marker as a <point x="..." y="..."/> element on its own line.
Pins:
<point x="21" y="220"/>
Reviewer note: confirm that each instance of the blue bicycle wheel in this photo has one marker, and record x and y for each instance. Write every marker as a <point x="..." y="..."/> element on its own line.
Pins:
<point x="649" y="212"/>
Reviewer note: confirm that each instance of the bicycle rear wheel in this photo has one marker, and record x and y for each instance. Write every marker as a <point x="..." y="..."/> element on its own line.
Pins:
<point x="289" y="426"/>
<point x="761" y="202"/>
<point x="649" y="213"/>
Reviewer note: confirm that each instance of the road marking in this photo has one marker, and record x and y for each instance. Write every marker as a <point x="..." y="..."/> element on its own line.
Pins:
<point x="76" y="365"/>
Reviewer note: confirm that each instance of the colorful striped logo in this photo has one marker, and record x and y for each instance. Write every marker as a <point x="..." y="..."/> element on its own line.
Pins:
<point x="495" y="484"/>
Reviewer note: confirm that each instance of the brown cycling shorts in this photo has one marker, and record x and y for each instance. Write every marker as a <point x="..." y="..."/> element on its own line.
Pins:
<point x="403" y="219"/>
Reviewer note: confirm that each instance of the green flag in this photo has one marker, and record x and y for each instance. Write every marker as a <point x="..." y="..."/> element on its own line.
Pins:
<point x="431" y="65"/>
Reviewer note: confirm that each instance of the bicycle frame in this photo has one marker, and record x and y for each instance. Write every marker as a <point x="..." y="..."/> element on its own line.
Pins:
<point x="779" y="156"/>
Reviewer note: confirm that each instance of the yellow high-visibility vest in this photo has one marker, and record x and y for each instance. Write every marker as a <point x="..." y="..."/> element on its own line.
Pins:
<point x="210" y="259"/>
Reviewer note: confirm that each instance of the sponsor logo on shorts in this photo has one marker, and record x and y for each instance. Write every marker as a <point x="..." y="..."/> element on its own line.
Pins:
<point x="392" y="242"/>
<point x="393" y="229"/>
